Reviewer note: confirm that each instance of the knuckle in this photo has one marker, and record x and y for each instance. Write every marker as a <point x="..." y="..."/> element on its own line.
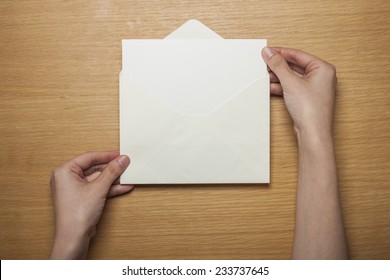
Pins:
<point x="55" y="175"/>
<point x="115" y="168"/>
<point x="94" y="161"/>
<point x="55" y="172"/>
<point x="332" y="68"/>
<point x="59" y="171"/>
<point x="276" y="61"/>
<point x="329" y="68"/>
<point x="332" y="72"/>
<point x="329" y="71"/>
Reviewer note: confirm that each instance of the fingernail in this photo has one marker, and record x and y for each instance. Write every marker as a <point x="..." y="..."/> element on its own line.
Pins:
<point x="269" y="52"/>
<point x="123" y="161"/>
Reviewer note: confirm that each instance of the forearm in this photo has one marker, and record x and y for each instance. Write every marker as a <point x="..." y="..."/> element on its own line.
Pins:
<point x="319" y="232"/>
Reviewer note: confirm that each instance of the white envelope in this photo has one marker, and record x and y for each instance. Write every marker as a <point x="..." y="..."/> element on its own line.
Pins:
<point x="194" y="110"/>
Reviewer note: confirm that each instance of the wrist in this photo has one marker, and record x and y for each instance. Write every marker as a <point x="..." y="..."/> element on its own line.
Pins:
<point x="70" y="244"/>
<point x="316" y="148"/>
<point x="314" y="138"/>
<point x="316" y="157"/>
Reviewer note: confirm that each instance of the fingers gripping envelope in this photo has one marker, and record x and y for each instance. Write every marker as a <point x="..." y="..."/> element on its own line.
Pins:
<point x="194" y="108"/>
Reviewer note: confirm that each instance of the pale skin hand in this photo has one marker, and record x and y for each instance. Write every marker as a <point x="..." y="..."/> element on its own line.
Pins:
<point x="308" y="86"/>
<point x="79" y="189"/>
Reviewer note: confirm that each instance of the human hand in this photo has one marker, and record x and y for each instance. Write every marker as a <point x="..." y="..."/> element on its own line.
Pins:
<point x="308" y="85"/>
<point x="79" y="189"/>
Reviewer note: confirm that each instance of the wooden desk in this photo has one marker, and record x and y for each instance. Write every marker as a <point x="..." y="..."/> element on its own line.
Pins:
<point x="59" y="66"/>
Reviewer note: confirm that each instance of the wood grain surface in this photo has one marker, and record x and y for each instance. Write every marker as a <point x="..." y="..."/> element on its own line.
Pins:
<point x="59" y="66"/>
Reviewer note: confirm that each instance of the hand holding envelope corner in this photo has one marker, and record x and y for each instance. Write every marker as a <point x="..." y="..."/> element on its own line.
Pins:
<point x="194" y="108"/>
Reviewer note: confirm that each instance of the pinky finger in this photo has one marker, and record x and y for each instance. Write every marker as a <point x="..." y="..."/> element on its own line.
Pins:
<point x="117" y="190"/>
<point x="276" y="89"/>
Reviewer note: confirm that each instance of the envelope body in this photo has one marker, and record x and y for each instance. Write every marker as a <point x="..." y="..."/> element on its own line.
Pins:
<point x="194" y="111"/>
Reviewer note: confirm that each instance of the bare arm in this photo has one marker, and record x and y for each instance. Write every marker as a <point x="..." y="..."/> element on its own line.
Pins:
<point x="308" y="86"/>
<point x="319" y="231"/>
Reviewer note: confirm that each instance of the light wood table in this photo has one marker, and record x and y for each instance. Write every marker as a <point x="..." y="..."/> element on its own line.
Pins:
<point x="59" y="66"/>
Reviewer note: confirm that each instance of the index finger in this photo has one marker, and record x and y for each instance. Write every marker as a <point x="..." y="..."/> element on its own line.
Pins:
<point x="297" y="57"/>
<point x="89" y="159"/>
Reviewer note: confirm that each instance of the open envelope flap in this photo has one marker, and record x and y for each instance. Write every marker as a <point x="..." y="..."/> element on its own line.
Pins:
<point x="193" y="77"/>
<point x="193" y="29"/>
<point x="226" y="146"/>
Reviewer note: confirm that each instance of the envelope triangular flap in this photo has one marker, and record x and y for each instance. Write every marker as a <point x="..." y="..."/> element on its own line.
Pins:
<point x="193" y="29"/>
